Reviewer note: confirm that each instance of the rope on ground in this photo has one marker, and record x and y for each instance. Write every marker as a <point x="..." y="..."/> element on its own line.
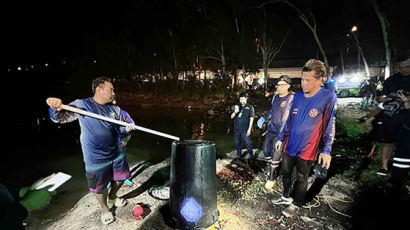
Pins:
<point x="227" y="216"/>
<point x="317" y="203"/>
<point x="337" y="199"/>
<point x="327" y="199"/>
<point x="127" y="222"/>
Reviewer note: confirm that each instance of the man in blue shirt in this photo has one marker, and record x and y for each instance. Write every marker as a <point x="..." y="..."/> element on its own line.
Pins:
<point x="312" y="120"/>
<point x="243" y="120"/>
<point x="278" y="116"/>
<point x="102" y="142"/>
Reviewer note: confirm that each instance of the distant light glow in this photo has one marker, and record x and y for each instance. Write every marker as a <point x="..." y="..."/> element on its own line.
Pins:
<point x="191" y="210"/>
<point x="46" y="65"/>
<point x="354" y="29"/>
<point x="342" y="79"/>
<point x="356" y="77"/>
<point x="18" y="68"/>
<point x="95" y="61"/>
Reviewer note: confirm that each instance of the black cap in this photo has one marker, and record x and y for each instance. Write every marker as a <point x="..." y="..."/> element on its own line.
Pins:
<point x="285" y="78"/>
<point x="243" y="94"/>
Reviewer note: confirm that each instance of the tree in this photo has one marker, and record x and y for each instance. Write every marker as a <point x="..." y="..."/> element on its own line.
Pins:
<point x="310" y="22"/>
<point x="245" y="56"/>
<point x="174" y="48"/>
<point x="270" y="47"/>
<point x="216" y="31"/>
<point x="359" y="48"/>
<point x="385" y="24"/>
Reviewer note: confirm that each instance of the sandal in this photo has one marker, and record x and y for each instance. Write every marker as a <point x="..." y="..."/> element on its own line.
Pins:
<point x="107" y="218"/>
<point x="117" y="202"/>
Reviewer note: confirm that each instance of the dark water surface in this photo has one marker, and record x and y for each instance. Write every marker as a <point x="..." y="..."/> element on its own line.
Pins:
<point x="41" y="147"/>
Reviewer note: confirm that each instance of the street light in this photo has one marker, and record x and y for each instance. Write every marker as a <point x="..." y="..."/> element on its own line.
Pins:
<point x="354" y="29"/>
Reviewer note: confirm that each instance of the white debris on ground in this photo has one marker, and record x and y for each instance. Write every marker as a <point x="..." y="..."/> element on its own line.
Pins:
<point x="348" y="100"/>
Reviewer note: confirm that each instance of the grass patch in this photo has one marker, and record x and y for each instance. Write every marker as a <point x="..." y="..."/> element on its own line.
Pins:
<point x="254" y="189"/>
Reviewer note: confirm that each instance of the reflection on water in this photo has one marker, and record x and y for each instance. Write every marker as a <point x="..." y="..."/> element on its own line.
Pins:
<point x="198" y="131"/>
<point x="56" y="148"/>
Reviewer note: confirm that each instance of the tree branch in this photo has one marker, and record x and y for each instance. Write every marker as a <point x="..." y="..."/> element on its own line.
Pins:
<point x="210" y="57"/>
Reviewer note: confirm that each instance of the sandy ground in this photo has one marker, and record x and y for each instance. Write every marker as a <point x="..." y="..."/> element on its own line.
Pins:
<point x="243" y="202"/>
<point x="250" y="210"/>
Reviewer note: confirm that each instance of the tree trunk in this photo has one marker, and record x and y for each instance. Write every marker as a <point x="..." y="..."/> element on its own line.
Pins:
<point x="360" y="53"/>
<point x="384" y="22"/>
<point x="265" y="74"/>
<point x="183" y="80"/>
<point x="174" y="49"/>
<point x="366" y="67"/>
<point x="322" y="51"/>
<point x="244" y="83"/>
<point x="342" y="62"/>
<point x="223" y="61"/>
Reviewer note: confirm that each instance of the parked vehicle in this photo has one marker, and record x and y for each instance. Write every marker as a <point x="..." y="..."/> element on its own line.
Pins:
<point x="348" y="85"/>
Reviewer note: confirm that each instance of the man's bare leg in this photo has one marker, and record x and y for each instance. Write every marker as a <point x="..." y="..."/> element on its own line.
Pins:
<point x="102" y="200"/>
<point x="387" y="153"/>
<point x="115" y="186"/>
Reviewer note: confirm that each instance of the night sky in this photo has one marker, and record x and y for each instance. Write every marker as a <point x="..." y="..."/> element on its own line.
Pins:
<point x="37" y="31"/>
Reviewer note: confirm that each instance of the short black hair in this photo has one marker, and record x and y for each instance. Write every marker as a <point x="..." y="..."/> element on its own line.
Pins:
<point x="98" y="82"/>
<point x="243" y="94"/>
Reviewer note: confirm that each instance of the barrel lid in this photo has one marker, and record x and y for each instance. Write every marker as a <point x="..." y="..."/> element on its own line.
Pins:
<point x="193" y="142"/>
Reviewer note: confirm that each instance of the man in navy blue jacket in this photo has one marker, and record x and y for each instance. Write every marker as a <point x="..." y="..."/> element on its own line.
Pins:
<point x="243" y="120"/>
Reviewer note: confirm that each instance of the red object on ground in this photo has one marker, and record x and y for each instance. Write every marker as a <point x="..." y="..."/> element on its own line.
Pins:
<point x="138" y="211"/>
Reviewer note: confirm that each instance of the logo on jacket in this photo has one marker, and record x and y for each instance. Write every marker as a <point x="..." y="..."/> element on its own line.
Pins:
<point x="313" y="113"/>
<point x="112" y="115"/>
<point x="283" y="104"/>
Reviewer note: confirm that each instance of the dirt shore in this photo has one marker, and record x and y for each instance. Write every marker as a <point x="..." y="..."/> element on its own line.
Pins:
<point x="352" y="197"/>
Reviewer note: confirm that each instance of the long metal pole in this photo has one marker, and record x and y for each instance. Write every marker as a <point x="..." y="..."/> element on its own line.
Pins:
<point x="122" y="123"/>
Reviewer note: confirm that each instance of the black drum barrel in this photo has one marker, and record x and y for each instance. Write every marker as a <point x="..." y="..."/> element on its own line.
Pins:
<point x="193" y="198"/>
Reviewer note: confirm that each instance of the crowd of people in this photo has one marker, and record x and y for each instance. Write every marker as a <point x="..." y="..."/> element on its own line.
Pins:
<point x="300" y="134"/>
<point x="391" y="125"/>
<point x="314" y="109"/>
<point x="301" y="130"/>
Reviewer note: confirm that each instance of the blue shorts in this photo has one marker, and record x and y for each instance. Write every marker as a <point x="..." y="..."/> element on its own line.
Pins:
<point x="100" y="175"/>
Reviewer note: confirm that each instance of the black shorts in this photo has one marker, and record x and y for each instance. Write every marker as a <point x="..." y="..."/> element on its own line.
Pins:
<point x="385" y="129"/>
